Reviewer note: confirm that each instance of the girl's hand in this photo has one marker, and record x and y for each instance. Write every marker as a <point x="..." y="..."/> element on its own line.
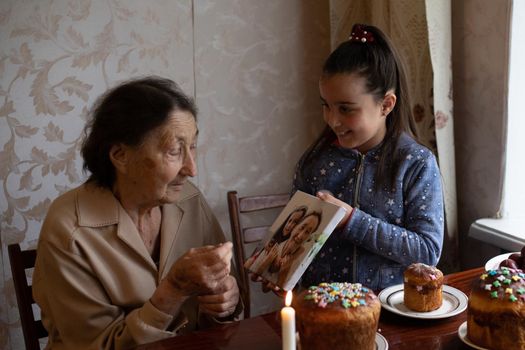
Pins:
<point x="328" y="197"/>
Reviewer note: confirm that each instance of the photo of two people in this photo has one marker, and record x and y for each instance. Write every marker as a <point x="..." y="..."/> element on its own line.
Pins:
<point x="294" y="239"/>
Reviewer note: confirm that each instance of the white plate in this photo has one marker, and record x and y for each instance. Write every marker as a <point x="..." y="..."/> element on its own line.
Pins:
<point x="462" y="332"/>
<point x="381" y="343"/>
<point x="454" y="302"/>
<point x="493" y="263"/>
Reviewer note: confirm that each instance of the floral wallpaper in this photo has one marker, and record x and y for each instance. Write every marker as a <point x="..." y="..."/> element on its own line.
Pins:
<point x="257" y="65"/>
<point x="252" y="67"/>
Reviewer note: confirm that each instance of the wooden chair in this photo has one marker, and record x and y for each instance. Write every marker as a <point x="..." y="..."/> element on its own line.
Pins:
<point x="20" y="261"/>
<point x="237" y="207"/>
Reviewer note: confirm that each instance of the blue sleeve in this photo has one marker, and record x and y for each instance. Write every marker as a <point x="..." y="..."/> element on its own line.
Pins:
<point x="419" y="237"/>
<point x="298" y="181"/>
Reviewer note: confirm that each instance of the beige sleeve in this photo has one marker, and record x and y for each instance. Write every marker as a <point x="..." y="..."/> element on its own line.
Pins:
<point x="82" y="313"/>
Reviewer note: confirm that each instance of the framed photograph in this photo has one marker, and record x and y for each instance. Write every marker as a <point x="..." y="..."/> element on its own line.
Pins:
<point x="294" y="239"/>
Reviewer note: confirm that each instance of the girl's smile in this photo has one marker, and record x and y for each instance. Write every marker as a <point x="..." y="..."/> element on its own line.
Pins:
<point x="355" y="116"/>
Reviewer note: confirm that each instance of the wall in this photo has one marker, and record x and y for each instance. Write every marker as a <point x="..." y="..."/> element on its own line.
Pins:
<point x="480" y="34"/>
<point x="251" y="65"/>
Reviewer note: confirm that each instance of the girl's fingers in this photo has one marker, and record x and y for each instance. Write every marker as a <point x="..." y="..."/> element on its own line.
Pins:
<point x="324" y="192"/>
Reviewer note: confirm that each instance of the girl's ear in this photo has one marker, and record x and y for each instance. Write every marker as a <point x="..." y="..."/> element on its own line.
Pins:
<point x="388" y="104"/>
<point x="119" y="156"/>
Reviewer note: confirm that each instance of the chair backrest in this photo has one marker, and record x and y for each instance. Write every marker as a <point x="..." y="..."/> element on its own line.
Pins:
<point x="237" y="206"/>
<point x="20" y="261"/>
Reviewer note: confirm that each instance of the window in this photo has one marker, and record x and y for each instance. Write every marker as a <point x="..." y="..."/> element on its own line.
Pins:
<point x="508" y="232"/>
<point x="514" y="189"/>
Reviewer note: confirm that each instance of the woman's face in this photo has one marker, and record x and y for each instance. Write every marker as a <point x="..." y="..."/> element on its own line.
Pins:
<point x="294" y="218"/>
<point x="159" y="167"/>
<point x="351" y="112"/>
<point x="304" y="229"/>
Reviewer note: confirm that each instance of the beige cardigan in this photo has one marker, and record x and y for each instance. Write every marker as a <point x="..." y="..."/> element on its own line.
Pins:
<point x="94" y="277"/>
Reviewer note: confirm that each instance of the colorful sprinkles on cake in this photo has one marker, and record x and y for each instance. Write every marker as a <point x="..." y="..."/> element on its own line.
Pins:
<point x="348" y="294"/>
<point x="508" y="284"/>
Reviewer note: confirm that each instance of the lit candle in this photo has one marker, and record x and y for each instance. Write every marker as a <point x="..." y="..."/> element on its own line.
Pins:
<point x="288" y="323"/>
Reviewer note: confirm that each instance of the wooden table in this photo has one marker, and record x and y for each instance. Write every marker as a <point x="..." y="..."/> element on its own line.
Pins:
<point x="264" y="332"/>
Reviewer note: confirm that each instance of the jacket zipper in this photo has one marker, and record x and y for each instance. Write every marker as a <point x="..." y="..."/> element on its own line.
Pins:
<point x="356" y="205"/>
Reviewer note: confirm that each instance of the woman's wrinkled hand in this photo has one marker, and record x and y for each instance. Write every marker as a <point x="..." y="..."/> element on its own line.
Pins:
<point x="202" y="271"/>
<point x="221" y="304"/>
<point x="328" y="197"/>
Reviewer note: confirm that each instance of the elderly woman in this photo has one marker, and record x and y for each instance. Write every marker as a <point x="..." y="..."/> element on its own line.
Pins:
<point x="134" y="254"/>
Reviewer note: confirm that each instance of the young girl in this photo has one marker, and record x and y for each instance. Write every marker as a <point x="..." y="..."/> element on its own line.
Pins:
<point x="370" y="159"/>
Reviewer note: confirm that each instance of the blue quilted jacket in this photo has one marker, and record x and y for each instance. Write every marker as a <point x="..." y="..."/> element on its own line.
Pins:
<point x="390" y="228"/>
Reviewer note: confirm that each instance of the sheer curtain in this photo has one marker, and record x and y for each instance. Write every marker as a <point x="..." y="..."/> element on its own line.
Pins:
<point x="421" y="31"/>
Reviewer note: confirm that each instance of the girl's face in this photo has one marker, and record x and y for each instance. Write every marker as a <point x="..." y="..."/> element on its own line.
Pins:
<point x="358" y="120"/>
<point x="304" y="229"/>
<point x="291" y="222"/>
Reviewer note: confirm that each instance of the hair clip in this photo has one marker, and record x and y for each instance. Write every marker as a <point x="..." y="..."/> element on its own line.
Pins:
<point x="360" y="34"/>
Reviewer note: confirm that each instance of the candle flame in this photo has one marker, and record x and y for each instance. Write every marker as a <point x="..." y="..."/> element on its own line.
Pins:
<point x="288" y="300"/>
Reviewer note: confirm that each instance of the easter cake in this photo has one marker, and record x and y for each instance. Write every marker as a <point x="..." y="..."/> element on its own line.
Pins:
<point x="423" y="287"/>
<point x="496" y="310"/>
<point x="337" y="316"/>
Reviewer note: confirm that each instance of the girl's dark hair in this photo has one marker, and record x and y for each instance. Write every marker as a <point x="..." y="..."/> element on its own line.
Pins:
<point x="380" y="64"/>
<point x="279" y="236"/>
<point x="126" y="114"/>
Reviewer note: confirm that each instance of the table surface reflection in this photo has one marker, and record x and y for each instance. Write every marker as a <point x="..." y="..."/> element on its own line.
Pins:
<point x="264" y="332"/>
